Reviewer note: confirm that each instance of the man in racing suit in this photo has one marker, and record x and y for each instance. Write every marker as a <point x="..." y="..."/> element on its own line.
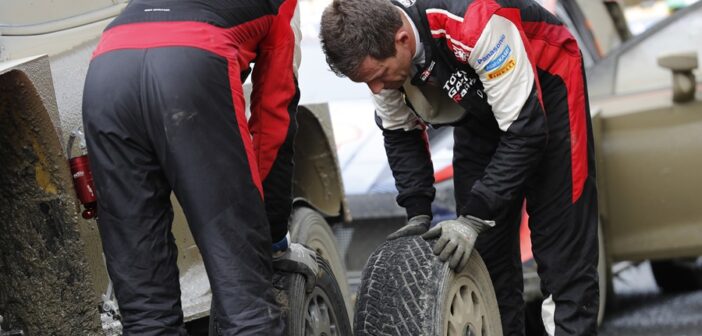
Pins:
<point x="164" y="111"/>
<point x="509" y="77"/>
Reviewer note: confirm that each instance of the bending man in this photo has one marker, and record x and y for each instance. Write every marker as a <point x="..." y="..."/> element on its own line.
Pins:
<point x="164" y="111"/>
<point x="508" y="76"/>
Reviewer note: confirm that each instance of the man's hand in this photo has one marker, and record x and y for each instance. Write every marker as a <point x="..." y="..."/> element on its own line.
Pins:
<point x="456" y="239"/>
<point x="415" y="226"/>
<point x="298" y="259"/>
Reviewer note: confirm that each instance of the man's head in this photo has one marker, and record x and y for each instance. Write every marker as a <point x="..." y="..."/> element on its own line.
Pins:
<point x="369" y="41"/>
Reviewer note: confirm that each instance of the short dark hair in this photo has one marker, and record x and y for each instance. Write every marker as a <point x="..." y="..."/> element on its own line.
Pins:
<point x="353" y="29"/>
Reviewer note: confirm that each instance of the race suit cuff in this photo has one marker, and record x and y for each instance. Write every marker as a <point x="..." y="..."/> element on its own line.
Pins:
<point x="281" y="245"/>
<point x="418" y="205"/>
<point x="477" y="207"/>
<point x="278" y="231"/>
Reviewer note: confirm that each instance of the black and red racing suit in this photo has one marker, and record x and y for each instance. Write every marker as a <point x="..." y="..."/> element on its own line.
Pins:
<point x="509" y="77"/>
<point x="164" y="111"/>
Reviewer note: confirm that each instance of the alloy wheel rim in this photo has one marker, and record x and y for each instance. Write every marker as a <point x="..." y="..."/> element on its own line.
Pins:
<point x="465" y="311"/>
<point x="320" y="319"/>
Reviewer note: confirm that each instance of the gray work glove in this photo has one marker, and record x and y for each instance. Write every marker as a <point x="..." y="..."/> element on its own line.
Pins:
<point x="414" y="227"/>
<point x="456" y="239"/>
<point x="298" y="259"/>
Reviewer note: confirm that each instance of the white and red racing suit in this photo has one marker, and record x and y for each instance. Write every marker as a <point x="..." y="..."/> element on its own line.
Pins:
<point x="509" y="77"/>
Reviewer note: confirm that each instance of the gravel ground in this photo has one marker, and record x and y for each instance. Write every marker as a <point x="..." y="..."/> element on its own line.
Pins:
<point x="641" y="309"/>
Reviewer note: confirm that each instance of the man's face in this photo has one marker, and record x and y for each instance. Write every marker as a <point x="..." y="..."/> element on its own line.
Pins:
<point x="389" y="73"/>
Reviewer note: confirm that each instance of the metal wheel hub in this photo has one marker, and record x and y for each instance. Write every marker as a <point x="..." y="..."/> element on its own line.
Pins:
<point x="319" y="318"/>
<point x="466" y="313"/>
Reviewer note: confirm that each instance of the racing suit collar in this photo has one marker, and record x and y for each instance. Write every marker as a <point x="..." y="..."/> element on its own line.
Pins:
<point x="419" y="56"/>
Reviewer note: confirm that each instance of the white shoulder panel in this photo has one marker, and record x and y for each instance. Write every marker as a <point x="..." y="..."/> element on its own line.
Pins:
<point x="501" y="61"/>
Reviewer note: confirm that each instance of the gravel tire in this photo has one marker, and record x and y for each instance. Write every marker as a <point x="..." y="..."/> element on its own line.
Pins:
<point x="321" y="312"/>
<point x="406" y="290"/>
<point x="604" y="273"/>
<point x="309" y="228"/>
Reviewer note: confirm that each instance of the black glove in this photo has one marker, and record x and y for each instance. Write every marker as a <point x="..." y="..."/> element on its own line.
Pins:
<point x="456" y="239"/>
<point x="414" y="227"/>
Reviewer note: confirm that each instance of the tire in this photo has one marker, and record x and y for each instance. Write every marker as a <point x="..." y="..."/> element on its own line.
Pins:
<point x="604" y="273"/>
<point x="321" y="312"/>
<point x="309" y="228"/>
<point x="679" y="275"/>
<point x="406" y="290"/>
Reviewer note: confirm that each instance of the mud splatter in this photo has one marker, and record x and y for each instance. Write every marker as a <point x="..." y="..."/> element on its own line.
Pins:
<point x="45" y="287"/>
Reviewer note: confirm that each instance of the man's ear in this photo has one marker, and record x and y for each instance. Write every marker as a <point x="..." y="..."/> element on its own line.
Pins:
<point x="402" y="37"/>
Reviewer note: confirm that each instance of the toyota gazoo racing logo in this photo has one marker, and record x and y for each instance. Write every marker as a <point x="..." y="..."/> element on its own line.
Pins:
<point x="458" y="84"/>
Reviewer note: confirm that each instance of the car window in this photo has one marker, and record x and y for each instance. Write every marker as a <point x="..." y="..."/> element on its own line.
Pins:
<point x="637" y="67"/>
<point x="643" y="15"/>
<point x="602" y="19"/>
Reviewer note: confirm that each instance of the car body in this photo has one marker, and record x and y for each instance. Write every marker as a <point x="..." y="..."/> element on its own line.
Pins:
<point x="649" y="148"/>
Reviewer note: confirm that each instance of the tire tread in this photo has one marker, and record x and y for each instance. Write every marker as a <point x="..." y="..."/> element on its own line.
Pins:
<point x="397" y="298"/>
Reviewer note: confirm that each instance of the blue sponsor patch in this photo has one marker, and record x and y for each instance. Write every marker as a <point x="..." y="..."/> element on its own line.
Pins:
<point x="507" y="67"/>
<point x="497" y="62"/>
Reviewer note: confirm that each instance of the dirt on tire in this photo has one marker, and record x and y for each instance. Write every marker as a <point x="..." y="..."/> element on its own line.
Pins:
<point x="406" y="290"/>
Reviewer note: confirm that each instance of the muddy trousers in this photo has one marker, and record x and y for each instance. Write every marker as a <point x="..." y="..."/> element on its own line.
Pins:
<point x="161" y="120"/>
<point x="563" y="230"/>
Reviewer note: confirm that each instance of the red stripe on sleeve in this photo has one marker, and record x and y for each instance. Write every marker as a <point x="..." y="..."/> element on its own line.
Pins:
<point x="274" y="89"/>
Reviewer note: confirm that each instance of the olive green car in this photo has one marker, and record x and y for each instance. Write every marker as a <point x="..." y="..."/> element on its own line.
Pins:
<point x="646" y="102"/>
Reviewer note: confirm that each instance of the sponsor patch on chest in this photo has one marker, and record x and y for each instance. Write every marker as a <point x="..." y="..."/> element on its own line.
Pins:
<point x="460" y="53"/>
<point x="459" y="84"/>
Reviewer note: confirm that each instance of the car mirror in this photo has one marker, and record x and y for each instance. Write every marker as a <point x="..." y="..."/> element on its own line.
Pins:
<point x="684" y="83"/>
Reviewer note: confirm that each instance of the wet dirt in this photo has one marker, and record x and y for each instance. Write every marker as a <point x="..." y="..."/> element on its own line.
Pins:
<point x="45" y="287"/>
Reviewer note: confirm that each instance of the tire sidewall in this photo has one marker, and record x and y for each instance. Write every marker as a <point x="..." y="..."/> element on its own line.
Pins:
<point x="298" y="301"/>
<point x="309" y="228"/>
<point x="603" y="273"/>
